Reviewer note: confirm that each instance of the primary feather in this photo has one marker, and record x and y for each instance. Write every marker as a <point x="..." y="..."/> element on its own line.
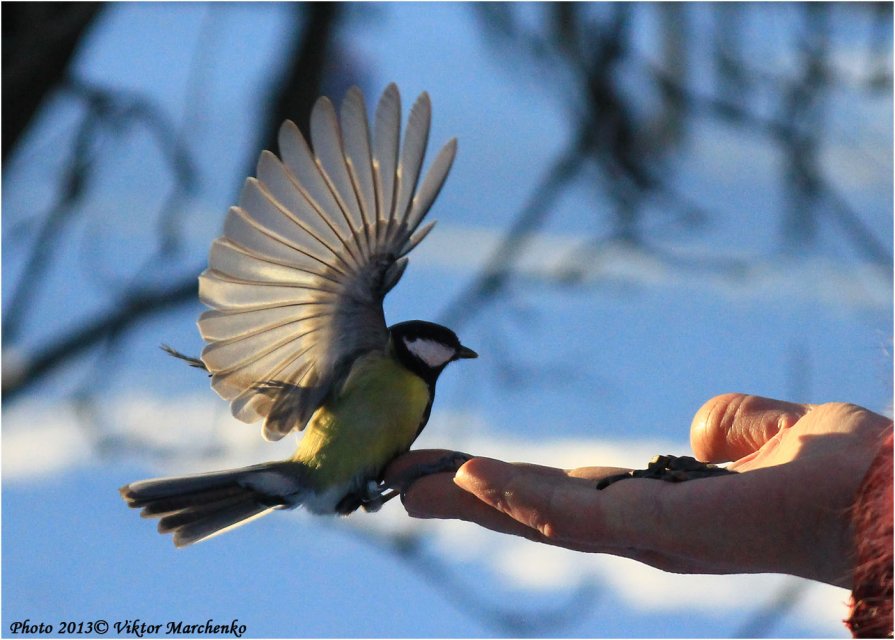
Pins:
<point x="318" y="238"/>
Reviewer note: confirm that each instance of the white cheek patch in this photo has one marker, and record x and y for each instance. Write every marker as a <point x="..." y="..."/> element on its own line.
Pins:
<point x="432" y="353"/>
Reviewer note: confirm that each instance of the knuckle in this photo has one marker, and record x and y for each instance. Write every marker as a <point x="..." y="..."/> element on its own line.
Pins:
<point x="708" y="433"/>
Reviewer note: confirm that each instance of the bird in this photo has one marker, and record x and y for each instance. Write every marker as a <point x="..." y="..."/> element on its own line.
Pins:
<point x="296" y="332"/>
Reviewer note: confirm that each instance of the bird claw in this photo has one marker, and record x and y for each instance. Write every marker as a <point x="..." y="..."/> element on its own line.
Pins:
<point x="670" y="469"/>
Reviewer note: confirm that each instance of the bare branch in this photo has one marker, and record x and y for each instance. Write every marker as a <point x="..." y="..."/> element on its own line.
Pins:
<point x="39" y="42"/>
<point x="136" y="307"/>
<point x="114" y="109"/>
<point x="107" y="111"/>
<point x="530" y="218"/>
<point x="294" y="96"/>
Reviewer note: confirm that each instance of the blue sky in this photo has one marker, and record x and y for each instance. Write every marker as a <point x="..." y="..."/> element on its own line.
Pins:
<point x="606" y="372"/>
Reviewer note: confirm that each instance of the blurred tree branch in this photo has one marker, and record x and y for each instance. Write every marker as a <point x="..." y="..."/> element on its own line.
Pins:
<point x="627" y="151"/>
<point x="492" y="279"/>
<point x="39" y="42"/>
<point x="624" y="140"/>
<point x="627" y="144"/>
<point x="291" y="96"/>
<point x="136" y="306"/>
<point x="107" y="112"/>
<point x="804" y="169"/>
<point x="294" y="97"/>
<point x="633" y="163"/>
<point x="585" y="52"/>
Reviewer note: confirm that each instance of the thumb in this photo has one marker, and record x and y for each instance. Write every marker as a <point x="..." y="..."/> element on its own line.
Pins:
<point x="733" y="425"/>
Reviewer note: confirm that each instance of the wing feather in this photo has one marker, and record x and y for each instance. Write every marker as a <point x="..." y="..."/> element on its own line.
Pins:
<point x="240" y="295"/>
<point x="432" y="184"/>
<point x="415" y="239"/>
<point x="327" y="141"/>
<point x="412" y="154"/>
<point x="225" y="325"/>
<point x="296" y="283"/>
<point x="241" y="230"/>
<point x="300" y="162"/>
<point x="239" y="264"/>
<point x="269" y="215"/>
<point x="356" y="138"/>
<point x="386" y="143"/>
<point x="281" y="185"/>
<point x="231" y="355"/>
<point x="278" y="370"/>
<point x="242" y="384"/>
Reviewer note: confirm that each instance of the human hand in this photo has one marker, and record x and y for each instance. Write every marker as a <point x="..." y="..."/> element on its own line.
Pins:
<point x="786" y="512"/>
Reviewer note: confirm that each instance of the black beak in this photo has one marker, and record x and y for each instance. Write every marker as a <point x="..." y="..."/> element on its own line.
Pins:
<point x="466" y="352"/>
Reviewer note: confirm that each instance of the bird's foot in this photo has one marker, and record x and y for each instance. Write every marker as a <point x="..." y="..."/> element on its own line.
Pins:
<point x="397" y="487"/>
<point x="671" y="469"/>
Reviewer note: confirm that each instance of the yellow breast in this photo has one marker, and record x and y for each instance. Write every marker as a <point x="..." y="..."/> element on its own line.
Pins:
<point x="373" y="418"/>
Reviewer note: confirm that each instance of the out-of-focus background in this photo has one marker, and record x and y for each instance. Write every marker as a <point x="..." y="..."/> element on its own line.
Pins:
<point x="652" y="204"/>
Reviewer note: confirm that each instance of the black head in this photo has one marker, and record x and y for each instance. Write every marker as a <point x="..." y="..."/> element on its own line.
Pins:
<point x="426" y="348"/>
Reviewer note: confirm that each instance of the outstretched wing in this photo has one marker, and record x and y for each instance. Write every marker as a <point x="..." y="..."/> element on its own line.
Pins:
<point x="296" y="282"/>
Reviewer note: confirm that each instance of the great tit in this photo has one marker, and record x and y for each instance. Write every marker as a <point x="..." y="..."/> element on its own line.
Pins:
<point x="296" y="332"/>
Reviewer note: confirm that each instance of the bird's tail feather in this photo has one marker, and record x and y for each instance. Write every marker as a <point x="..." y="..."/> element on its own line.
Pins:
<point x="197" y="507"/>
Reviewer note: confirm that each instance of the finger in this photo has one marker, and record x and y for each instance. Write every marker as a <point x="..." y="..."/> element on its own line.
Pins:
<point x="674" y="527"/>
<point x="563" y="509"/>
<point x="405" y="463"/>
<point x="437" y="496"/>
<point x="734" y="425"/>
<point x="594" y="474"/>
<point x="402" y="466"/>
